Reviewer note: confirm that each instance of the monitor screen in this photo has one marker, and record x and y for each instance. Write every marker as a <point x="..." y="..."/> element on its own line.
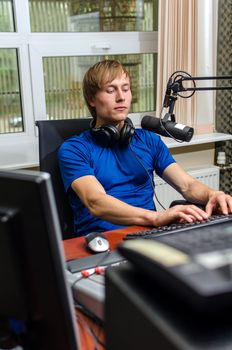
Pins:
<point x="35" y="301"/>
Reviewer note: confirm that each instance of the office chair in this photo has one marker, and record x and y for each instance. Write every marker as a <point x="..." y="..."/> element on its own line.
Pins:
<point x="52" y="133"/>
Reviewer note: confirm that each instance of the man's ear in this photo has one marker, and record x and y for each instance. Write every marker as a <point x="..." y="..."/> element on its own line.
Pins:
<point x="91" y="101"/>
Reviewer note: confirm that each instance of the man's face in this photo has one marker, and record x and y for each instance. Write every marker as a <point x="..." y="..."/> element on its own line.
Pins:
<point x="112" y="102"/>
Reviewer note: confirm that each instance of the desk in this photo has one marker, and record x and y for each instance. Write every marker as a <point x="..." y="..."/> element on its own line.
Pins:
<point x="170" y="323"/>
<point x="75" y="248"/>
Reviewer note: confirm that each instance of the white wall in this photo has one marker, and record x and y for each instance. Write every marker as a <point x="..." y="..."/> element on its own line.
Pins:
<point x="207" y="51"/>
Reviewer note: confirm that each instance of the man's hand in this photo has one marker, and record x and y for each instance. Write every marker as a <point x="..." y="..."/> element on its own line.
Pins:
<point x="219" y="202"/>
<point x="182" y="213"/>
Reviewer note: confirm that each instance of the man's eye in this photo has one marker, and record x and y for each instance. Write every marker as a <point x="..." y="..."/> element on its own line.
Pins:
<point x="126" y="88"/>
<point x="110" y="91"/>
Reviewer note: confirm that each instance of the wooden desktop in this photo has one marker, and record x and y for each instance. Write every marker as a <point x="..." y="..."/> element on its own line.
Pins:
<point x="76" y="248"/>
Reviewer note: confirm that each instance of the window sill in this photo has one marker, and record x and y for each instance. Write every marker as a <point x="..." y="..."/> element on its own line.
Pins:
<point x="198" y="140"/>
<point x="17" y="155"/>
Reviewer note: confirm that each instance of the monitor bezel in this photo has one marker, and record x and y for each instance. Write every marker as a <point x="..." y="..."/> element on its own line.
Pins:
<point x="36" y="236"/>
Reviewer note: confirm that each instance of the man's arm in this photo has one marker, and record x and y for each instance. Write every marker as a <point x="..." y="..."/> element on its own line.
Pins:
<point x="109" y="208"/>
<point x="196" y="192"/>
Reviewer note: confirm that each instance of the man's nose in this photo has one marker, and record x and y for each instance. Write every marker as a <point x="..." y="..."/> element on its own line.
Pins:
<point x="120" y="95"/>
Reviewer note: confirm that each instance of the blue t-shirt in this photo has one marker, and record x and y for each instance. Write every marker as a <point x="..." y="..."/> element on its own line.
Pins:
<point x="125" y="172"/>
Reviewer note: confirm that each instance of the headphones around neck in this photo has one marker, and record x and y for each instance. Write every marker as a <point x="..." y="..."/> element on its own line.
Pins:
<point x="107" y="135"/>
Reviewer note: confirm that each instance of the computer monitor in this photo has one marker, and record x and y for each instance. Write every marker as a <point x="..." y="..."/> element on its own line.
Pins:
<point x="35" y="300"/>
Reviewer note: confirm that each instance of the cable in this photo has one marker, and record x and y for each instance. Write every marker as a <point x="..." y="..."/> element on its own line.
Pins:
<point x="87" y="273"/>
<point x="87" y="312"/>
<point x="80" y="306"/>
<point x="77" y="280"/>
<point x="163" y="126"/>
<point x="150" y="178"/>
<point x="100" y="262"/>
<point x="90" y="330"/>
<point x="180" y="77"/>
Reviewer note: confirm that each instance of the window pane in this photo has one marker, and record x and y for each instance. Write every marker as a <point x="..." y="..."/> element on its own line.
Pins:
<point x="93" y="16"/>
<point x="63" y="83"/>
<point x="6" y="16"/>
<point x="10" y="99"/>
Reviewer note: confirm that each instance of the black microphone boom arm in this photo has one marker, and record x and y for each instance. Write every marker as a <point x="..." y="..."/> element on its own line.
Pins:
<point x="176" y="86"/>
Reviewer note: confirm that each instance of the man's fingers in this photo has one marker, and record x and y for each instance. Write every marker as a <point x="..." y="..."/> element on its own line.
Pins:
<point x="196" y="212"/>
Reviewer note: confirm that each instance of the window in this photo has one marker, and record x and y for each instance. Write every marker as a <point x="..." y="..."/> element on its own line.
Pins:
<point x="6" y="16"/>
<point x="93" y="16"/>
<point x="10" y="98"/>
<point x="63" y="83"/>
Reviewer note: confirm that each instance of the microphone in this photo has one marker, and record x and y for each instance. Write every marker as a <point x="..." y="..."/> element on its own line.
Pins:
<point x="166" y="127"/>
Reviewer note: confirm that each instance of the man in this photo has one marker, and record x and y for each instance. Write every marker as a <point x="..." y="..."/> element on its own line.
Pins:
<point x="108" y="169"/>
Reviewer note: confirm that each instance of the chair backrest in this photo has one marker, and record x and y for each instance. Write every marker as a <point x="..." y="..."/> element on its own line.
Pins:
<point x="52" y="133"/>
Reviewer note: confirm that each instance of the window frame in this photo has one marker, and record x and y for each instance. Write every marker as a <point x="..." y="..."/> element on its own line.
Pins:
<point x="110" y="44"/>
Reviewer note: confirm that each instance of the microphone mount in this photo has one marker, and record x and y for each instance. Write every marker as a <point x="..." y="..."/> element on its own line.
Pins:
<point x="175" y="87"/>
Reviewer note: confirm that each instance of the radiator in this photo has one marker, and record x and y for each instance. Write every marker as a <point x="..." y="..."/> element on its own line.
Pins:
<point x="166" y="194"/>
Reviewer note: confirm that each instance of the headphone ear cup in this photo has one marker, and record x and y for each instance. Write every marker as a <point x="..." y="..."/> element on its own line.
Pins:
<point x="106" y="135"/>
<point x="127" y="132"/>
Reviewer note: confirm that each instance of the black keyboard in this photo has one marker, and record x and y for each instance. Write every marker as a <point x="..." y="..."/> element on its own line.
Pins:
<point x="213" y="238"/>
<point x="178" y="228"/>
